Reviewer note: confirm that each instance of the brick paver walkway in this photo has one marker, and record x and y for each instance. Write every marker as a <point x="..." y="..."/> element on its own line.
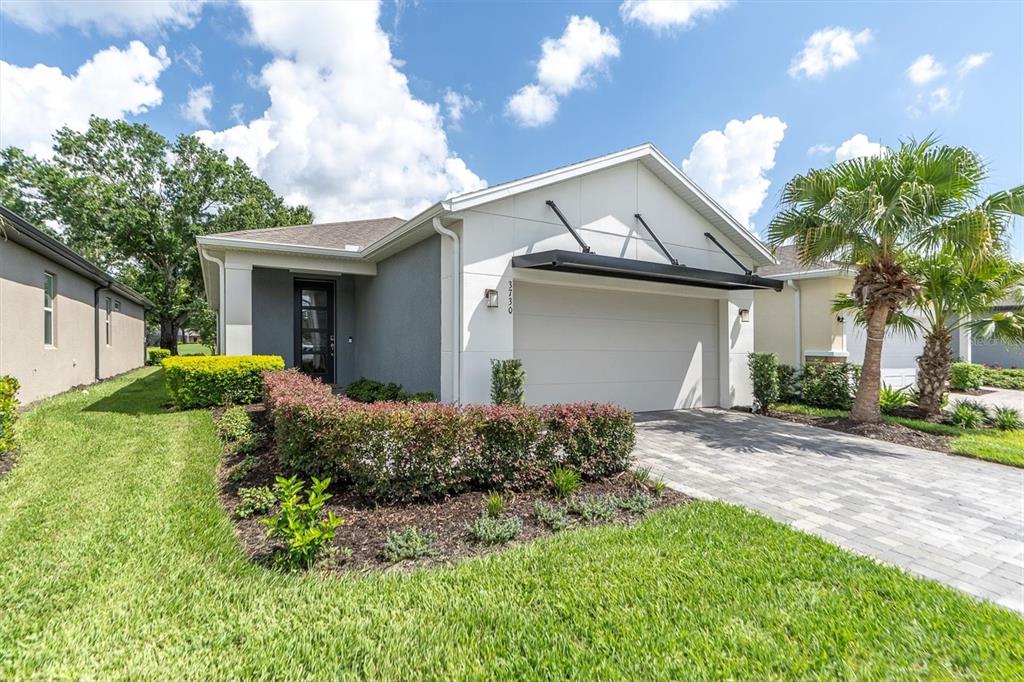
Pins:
<point x="953" y="519"/>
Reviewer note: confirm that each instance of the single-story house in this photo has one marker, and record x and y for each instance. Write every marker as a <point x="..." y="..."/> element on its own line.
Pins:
<point x="803" y="327"/>
<point x="613" y="279"/>
<point x="64" y="322"/>
<point x="990" y="352"/>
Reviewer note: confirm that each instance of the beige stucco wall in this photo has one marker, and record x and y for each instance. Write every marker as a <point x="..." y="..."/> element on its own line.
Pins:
<point x="820" y="330"/>
<point x="71" y="360"/>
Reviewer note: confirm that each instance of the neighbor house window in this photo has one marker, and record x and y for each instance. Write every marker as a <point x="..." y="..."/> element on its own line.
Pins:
<point x="108" y="320"/>
<point x="49" y="293"/>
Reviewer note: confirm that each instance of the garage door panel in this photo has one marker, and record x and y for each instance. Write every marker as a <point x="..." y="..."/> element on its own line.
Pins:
<point x="642" y="351"/>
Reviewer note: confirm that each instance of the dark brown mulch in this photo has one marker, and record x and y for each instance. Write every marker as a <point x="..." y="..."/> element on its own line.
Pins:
<point x="367" y="525"/>
<point x="893" y="433"/>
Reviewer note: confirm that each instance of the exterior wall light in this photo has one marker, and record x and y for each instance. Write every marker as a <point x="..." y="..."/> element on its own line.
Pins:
<point x="744" y="315"/>
<point x="491" y="296"/>
<point x="840" y="319"/>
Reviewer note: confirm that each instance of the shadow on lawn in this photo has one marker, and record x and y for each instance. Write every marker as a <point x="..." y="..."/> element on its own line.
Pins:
<point x="145" y="395"/>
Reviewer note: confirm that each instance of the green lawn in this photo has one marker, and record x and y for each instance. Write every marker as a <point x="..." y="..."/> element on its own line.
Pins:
<point x="117" y="561"/>
<point x="1005" y="447"/>
<point x="189" y="349"/>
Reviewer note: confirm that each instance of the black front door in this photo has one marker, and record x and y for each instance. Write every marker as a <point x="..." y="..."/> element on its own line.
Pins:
<point x="314" y="329"/>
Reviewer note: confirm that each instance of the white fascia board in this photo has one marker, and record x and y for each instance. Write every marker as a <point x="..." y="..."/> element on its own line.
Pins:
<point x="254" y="245"/>
<point x="373" y="252"/>
<point x="812" y="274"/>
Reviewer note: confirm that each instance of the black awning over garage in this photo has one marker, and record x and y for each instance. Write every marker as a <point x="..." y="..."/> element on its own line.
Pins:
<point x="628" y="268"/>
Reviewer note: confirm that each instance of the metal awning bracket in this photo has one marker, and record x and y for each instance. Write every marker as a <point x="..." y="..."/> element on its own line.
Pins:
<point x="747" y="271"/>
<point x="574" y="233"/>
<point x="671" y="258"/>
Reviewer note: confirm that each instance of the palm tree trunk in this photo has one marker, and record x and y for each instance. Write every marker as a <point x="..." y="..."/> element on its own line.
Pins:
<point x="865" y="403"/>
<point x="933" y="370"/>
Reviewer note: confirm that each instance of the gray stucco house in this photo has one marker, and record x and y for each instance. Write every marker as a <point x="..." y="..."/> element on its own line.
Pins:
<point x="63" y="321"/>
<point x="613" y="279"/>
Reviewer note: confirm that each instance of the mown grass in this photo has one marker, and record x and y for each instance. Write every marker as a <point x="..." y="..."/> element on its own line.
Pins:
<point x="118" y="562"/>
<point x="1004" y="447"/>
<point x="189" y="349"/>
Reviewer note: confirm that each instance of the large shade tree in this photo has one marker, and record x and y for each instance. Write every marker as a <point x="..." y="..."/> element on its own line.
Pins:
<point x="873" y="214"/>
<point x="135" y="202"/>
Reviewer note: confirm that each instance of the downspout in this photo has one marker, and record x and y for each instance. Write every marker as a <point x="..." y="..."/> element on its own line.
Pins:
<point x="220" y="304"/>
<point x="798" y="345"/>
<point x="456" y="308"/>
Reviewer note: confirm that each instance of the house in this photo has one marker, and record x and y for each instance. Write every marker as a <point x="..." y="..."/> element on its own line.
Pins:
<point x="63" y="321"/>
<point x="613" y="279"/>
<point x="803" y="328"/>
<point x="988" y="351"/>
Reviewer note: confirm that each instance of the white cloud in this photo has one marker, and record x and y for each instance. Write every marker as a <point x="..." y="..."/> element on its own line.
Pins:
<point x="971" y="62"/>
<point x="566" y="64"/>
<point x="943" y="99"/>
<point x="663" y="15"/>
<point x="730" y="164"/>
<point x="820" y="149"/>
<point x="200" y="101"/>
<point x="192" y="58"/>
<point x="857" y="146"/>
<point x="458" y="105"/>
<point x="925" y="69"/>
<point x="343" y="133"/>
<point x="827" y="50"/>
<point x="236" y="112"/>
<point x="38" y="100"/>
<point x="103" y="16"/>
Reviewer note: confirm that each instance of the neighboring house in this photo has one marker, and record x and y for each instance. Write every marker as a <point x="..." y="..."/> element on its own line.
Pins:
<point x="63" y="321"/>
<point x="594" y="306"/>
<point x="803" y="328"/>
<point x="991" y="353"/>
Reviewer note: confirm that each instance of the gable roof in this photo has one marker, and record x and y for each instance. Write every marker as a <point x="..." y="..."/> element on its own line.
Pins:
<point x="789" y="264"/>
<point x="340" y="235"/>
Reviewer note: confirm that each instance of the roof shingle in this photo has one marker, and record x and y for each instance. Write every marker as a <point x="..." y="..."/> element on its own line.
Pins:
<point x="789" y="262"/>
<point x="359" y="233"/>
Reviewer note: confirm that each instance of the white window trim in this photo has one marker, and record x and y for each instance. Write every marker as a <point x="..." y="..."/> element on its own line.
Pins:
<point x="52" y="309"/>
<point x="108" y="326"/>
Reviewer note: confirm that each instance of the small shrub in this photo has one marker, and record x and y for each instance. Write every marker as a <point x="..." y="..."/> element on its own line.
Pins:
<point x="508" y="382"/>
<point x="764" y="380"/>
<point x="234" y="425"/>
<point x="409" y="543"/>
<point x="641" y="476"/>
<point x="369" y="391"/>
<point x="205" y="381"/>
<point x="298" y="521"/>
<point x="592" y="508"/>
<point x="789" y="383"/>
<point x="421" y="397"/>
<point x="8" y="412"/>
<point x="241" y="471"/>
<point x="154" y="356"/>
<point x="829" y="384"/>
<point x="914" y="396"/>
<point x="494" y="504"/>
<point x="254" y="501"/>
<point x="597" y="439"/>
<point x="964" y="376"/>
<point x="565" y="481"/>
<point x="550" y="516"/>
<point x="1007" y="419"/>
<point x="638" y="503"/>
<point x="892" y="399"/>
<point x="967" y="416"/>
<point x="488" y="530"/>
<point x="659" y="487"/>
<point x="1003" y="378"/>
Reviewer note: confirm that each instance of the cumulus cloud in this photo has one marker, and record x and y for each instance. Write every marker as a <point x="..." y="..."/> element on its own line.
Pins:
<point x="731" y="164"/>
<point x="972" y="62"/>
<point x="925" y="69"/>
<point x="827" y="50"/>
<point x="37" y="100"/>
<point x="458" y="105"/>
<point x="200" y="101"/>
<point x="566" y="64"/>
<point x="820" y="149"/>
<point x="857" y="146"/>
<point x="103" y="16"/>
<point x="665" y="15"/>
<point x="943" y="99"/>
<point x="343" y="133"/>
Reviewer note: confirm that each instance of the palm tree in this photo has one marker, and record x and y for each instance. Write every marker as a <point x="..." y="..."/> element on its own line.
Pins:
<point x="872" y="214"/>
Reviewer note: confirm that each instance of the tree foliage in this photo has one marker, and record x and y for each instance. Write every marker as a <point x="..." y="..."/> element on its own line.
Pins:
<point x="134" y="202"/>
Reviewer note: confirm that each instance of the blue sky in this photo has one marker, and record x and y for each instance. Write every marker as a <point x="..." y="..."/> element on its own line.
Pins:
<point x="349" y="107"/>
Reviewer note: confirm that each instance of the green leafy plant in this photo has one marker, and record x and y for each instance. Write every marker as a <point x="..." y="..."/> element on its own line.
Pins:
<point x="565" y="481"/>
<point x="968" y="415"/>
<point x="409" y="543"/>
<point x="365" y="390"/>
<point x="591" y="508"/>
<point x="551" y="516"/>
<point x="298" y="521"/>
<point x="252" y="501"/>
<point x="508" y="382"/>
<point x="234" y="425"/>
<point x="789" y="383"/>
<point x="8" y="412"/>
<point x="892" y="399"/>
<point x="488" y="530"/>
<point x="764" y="380"/>
<point x="1000" y="377"/>
<point x="964" y="376"/>
<point x="829" y="384"/>
<point x="638" y="503"/>
<point x="641" y="476"/>
<point x="659" y="487"/>
<point x="154" y="356"/>
<point x="205" y="381"/>
<point x="243" y="468"/>
<point x="494" y="504"/>
<point x="1007" y="419"/>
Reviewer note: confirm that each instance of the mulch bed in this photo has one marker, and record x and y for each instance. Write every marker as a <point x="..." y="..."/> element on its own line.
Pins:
<point x="361" y="538"/>
<point x="893" y="433"/>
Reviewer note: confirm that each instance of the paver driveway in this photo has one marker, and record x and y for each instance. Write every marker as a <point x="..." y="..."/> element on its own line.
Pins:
<point x="954" y="519"/>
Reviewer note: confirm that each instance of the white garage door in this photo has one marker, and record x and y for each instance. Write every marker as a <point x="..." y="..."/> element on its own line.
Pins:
<point x="642" y="351"/>
<point x="899" y="354"/>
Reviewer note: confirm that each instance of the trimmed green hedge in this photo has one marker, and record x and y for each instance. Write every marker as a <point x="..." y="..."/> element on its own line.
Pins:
<point x="963" y="376"/>
<point x="8" y="412"/>
<point x="154" y="356"/>
<point x="1002" y="378"/>
<point x="205" y="381"/>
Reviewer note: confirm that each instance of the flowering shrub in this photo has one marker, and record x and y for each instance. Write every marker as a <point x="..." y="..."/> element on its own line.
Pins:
<point x="204" y="381"/>
<point x="398" y="451"/>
